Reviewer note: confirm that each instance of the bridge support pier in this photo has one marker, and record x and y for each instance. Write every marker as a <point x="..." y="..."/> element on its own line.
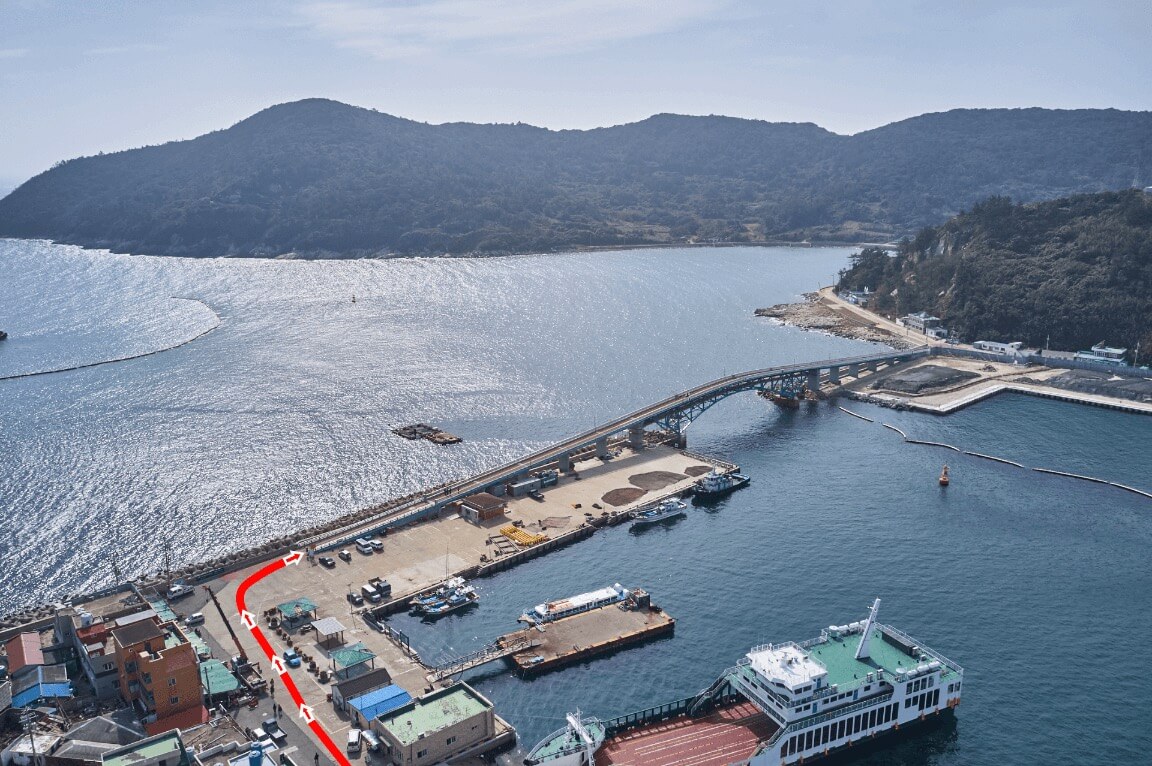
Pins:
<point x="871" y="367"/>
<point x="682" y="440"/>
<point x="834" y="375"/>
<point x="602" y="447"/>
<point x="565" y="462"/>
<point x="813" y="382"/>
<point x="636" y="437"/>
<point x="854" y="371"/>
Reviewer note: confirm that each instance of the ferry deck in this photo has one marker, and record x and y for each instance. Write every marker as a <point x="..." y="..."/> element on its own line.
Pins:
<point x="726" y="736"/>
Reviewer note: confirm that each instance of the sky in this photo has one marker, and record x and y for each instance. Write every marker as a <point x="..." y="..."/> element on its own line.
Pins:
<point x="78" y="78"/>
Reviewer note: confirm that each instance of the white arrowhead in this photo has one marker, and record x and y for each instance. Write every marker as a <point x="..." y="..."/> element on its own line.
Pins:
<point x="306" y="713"/>
<point x="278" y="666"/>
<point x="248" y="619"/>
<point x="293" y="557"/>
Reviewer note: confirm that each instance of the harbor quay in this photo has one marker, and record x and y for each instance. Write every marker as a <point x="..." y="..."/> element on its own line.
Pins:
<point x="416" y="557"/>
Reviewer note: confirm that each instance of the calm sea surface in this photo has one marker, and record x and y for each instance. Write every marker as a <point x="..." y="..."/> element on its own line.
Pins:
<point x="1040" y="586"/>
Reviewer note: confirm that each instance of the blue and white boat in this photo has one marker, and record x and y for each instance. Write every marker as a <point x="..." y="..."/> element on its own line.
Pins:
<point x="664" y="510"/>
<point x="446" y="589"/>
<point x="463" y="596"/>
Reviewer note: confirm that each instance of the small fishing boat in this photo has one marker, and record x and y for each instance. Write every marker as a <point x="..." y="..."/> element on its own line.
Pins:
<point x="666" y="509"/>
<point x="449" y="587"/>
<point x="944" y="477"/>
<point x="462" y="597"/>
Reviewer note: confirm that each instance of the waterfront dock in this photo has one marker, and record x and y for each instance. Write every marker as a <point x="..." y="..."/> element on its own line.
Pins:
<point x="589" y="634"/>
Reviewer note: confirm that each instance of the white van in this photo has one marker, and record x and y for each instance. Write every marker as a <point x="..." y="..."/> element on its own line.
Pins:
<point x="355" y="741"/>
<point x="370" y="593"/>
<point x="364" y="546"/>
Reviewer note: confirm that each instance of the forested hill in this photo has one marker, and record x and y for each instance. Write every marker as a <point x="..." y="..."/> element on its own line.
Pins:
<point x="319" y="178"/>
<point x="1078" y="269"/>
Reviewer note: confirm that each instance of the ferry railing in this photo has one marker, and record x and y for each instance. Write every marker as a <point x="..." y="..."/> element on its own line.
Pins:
<point x="930" y="652"/>
<point x="663" y="712"/>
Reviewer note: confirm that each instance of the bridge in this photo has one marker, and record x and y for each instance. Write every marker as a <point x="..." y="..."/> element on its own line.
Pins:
<point x="490" y="653"/>
<point x="673" y="414"/>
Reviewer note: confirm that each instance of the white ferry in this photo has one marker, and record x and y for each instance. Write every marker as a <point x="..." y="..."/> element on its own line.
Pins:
<point x="781" y="704"/>
<point x="666" y="509"/>
<point x="565" y="607"/>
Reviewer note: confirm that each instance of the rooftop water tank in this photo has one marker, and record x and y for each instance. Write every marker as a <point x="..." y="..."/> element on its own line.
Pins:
<point x="256" y="755"/>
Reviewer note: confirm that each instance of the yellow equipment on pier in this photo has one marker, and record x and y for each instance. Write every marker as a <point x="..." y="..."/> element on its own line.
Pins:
<point x="520" y="537"/>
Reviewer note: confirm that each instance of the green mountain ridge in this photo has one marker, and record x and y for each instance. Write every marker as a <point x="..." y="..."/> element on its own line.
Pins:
<point x="321" y="178"/>
<point x="1070" y="272"/>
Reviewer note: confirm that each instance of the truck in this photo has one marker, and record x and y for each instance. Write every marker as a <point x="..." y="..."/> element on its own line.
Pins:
<point x="249" y="674"/>
<point x="383" y="587"/>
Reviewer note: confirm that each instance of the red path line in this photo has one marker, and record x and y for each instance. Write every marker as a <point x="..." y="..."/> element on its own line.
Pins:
<point x="286" y="678"/>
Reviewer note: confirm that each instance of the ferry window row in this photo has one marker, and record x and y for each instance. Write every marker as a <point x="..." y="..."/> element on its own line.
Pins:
<point x="920" y="684"/>
<point x="846" y="727"/>
<point x="926" y="699"/>
<point x="954" y="687"/>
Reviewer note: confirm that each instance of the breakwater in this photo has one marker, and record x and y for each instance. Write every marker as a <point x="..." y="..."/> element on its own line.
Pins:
<point x="127" y="358"/>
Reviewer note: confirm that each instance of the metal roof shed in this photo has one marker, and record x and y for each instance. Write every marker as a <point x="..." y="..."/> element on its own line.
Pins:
<point x="368" y="706"/>
<point x="329" y="630"/>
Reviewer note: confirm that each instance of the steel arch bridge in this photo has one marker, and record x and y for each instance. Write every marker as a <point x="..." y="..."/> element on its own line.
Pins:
<point x="673" y="414"/>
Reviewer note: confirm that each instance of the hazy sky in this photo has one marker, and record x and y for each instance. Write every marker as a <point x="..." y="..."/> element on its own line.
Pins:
<point x="81" y="77"/>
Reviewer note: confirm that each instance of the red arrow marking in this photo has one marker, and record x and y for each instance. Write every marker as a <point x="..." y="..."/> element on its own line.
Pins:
<point x="313" y="724"/>
<point x="293" y="557"/>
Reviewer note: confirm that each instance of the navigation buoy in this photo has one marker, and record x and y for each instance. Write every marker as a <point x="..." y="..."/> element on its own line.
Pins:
<point x="944" y="477"/>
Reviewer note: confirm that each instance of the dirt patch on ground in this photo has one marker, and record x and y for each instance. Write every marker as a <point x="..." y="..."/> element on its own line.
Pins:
<point x="654" y="480"/>
<point x="623" y="496"/>
<point x="1099" y="383"/>
<point x="924" y="379"/>
<point x="555" y="522"/>
<point x="697" y="470"/>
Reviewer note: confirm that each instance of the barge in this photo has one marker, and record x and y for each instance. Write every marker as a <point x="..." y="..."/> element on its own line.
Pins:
<point x="591" y="633"/>
<point x="783" y="704"/>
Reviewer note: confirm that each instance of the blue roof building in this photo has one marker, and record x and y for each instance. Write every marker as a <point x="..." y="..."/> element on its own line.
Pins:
<point x="41" y="683"/>
<point x="377" y="702"/>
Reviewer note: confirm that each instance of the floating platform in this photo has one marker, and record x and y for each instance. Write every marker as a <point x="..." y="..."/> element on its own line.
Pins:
<point x="729" y="735"/>
<point x="425" y="431"/>
<point x="588" y="634"/>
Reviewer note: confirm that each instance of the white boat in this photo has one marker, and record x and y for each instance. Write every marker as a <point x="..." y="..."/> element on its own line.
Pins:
<point x="446" y="589"/>
<point x="781" y="704"/>
<point x="717" y="484"/>
<point x="565" y="607"/>
<point x="666" y="509"/>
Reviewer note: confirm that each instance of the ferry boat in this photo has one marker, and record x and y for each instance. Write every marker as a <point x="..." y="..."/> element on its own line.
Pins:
<point x="666" y="509"/>
<point x="458" y="599"/>
<point x="717" y="484"/>
<point x="446" y="589"/>
<point x="565" y="607"/>
<point x="783" y="703"/>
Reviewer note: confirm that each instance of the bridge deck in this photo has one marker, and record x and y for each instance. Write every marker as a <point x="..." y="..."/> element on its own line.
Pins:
<point x="729" y="735"/>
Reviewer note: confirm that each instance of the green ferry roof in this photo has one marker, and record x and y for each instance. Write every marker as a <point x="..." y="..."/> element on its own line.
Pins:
<point x="838" y="656"/>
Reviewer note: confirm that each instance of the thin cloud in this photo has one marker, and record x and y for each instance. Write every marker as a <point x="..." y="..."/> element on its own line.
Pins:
<point x="403" y="30"/>
<point x="116" y="50"/>
<point x="13" y="53"/>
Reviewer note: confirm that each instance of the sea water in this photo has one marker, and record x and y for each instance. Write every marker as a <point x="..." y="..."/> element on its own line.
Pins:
<point x="280" y="415"/>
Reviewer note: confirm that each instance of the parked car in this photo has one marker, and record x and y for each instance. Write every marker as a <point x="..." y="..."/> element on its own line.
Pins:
<point x="377" y="544"/>
<point x="292" y="658"/>
<point x="345" y="554"/>
<point x="327" y="562"/>
<point x="179" y="590"/>
<point x="355" y="741"/>
<point x="195" y="618"/>
<point x="356" y="599"/>
<point x="536" y="495"/>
